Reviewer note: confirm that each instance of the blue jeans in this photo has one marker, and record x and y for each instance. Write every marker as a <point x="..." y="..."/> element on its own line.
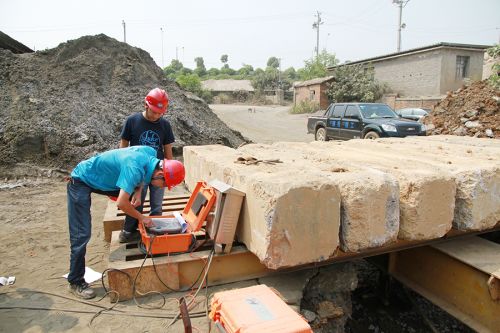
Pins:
<point x="156" y="201"/>
<point x="80" y="227"/>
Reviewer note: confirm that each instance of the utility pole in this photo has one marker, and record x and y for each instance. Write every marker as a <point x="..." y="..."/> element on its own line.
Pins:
<point x="177" y="53"/>
<point x="401" y="4"/>
<point x="162" y="63"/>
<point x="124" y="32"/>
<point x="316" y="26"/>
<point x="279" y="73"/>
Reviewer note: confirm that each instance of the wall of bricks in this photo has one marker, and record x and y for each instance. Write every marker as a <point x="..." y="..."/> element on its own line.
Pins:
<point x="315" y="93"/>
<point x="404" y="102"/>
<point x="449" y="59"/>
<point x="429" y="73"/>
<point x="411" y="75"/>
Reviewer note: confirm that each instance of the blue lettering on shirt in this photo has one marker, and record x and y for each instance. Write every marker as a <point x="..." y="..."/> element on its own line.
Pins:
<point x="150" y="138"/>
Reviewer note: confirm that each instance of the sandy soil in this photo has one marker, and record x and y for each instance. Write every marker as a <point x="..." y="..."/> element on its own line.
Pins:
<point x="34" y="247"/>
<point x="266" y="125"/>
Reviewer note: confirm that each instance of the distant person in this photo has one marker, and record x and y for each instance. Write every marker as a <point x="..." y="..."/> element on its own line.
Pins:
<point x="148" y="128"/>
<point x="120" y="173"/>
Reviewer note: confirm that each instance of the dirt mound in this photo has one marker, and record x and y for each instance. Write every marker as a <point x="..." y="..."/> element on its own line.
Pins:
<point x="62" y="105"/>
<point x="470" y="111"/>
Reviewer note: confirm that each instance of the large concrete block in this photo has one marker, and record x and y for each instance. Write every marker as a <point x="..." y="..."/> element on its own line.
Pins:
<point x="474" y="165"/>
<point x="370" y="198"/>
<point x="426" y="195"/>
<point x="289" y="217"/>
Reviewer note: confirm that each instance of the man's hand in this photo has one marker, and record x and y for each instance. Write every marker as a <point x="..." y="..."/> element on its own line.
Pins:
<point x="147" y="222"/>
<point x="136" y="199"/>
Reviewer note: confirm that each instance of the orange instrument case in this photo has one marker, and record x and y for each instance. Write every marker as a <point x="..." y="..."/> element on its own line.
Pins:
<point x="255" y="309"/>
<point x="200" y="203"/>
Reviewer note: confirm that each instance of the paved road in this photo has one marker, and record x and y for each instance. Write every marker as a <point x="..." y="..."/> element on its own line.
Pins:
<point x="267" y="124"/>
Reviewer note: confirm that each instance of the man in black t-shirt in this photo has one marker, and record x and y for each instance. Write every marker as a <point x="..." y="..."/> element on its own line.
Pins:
<point x="148" y="128"/>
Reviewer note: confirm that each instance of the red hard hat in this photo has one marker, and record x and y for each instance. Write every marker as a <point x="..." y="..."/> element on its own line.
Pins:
<point x="173" y="172"/>
<point x="157" y="100"/>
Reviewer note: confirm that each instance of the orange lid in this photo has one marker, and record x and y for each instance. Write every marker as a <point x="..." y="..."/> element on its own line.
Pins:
<point x="200" y="203"/>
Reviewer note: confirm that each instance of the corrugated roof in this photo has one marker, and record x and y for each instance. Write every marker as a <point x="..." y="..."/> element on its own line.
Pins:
<point x="415" y="50"/>
<point x="318" y="80"/>
<point x="227" y="85"/>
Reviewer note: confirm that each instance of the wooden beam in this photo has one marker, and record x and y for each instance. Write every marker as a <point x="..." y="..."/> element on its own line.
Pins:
<point x="452" y="279"/>
<point x="178" y="272"/>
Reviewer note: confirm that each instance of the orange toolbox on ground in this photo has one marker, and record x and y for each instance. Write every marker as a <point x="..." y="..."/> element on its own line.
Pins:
<point x="255" y="309"/>
<point x="167" y="236"/>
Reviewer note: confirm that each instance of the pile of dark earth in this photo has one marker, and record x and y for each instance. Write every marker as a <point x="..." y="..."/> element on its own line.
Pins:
<point x="62" y="105"/>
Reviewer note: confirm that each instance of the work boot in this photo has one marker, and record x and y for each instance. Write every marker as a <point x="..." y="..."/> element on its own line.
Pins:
<point x="82" y="290"/>
<point x="129" y="236"/>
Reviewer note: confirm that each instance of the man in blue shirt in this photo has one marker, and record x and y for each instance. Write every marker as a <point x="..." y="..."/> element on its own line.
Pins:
<point x="148" y="128"/>
<point x="120" y="173"/>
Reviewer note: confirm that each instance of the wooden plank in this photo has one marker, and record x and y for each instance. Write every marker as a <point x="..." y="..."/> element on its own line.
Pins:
<point x="114" y="218"/>
<point x="458" y="288"/>
<point x="474" y="251"/>
<point x="178" y="272"/>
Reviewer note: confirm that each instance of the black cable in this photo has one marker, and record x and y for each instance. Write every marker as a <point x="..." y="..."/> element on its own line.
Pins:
<point x="112" y="313"/>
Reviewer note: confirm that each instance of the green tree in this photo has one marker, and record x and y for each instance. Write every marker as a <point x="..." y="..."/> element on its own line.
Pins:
<point x="190" y="82"/>
<point x="200" y="69"/>
<point x="174" y="69"/>
<point x="224" y="59"/>
<point x="352" y="83"/>
<point x="265" y="80"/>
<point x="246" y="71"/>
<point x="318" y="67"/>
<point x="494" y="78"/>
<point x="213" y="72"/>
<point x="273" y="62"/>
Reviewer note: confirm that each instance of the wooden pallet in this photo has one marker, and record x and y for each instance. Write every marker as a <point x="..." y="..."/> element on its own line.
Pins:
<point x="114" y="218"/>
<point x="178" y="272"/>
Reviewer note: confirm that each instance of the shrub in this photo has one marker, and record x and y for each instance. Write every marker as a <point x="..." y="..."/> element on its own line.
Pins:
<point x="305" y="106"/>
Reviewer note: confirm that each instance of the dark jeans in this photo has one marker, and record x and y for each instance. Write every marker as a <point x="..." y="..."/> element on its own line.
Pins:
<point x="156" y="201"/>
<point x="80" y="226"/>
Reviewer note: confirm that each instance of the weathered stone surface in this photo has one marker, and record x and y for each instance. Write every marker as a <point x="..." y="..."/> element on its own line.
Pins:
<point x="426" y="197"/>
<point x="370" y="198"/>
<point x="289" y="216"/>
<point x="474" y="165"/>
<point x="427" y="194"/>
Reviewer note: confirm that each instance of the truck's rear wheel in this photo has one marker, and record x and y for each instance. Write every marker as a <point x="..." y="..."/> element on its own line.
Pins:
<point x="320" y="135"/>
<point x="371" y="135"/>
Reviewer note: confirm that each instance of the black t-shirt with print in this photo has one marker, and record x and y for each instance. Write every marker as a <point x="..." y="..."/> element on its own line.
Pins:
<point x="141" y="132"/>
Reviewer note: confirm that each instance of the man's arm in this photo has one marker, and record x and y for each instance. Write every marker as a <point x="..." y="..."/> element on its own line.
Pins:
<point x="123" y="203"/>
<point x="124" y="143"/>
<point x="167" y="151"/>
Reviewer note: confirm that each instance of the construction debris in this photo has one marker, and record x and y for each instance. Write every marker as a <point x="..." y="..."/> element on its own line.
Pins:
<point x="470" y="111"/>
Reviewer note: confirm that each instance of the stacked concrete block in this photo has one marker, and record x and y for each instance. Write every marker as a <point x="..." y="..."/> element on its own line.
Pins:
<point x="290" y="217"/>
<point x="474" y="166"/>
<point x="373" y="192"/>
<point x="370" y="198"/>
<point x="426" y="195"/>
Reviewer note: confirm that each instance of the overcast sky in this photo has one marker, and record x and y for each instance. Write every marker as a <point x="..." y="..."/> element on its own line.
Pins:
<point x="251" y="31"/>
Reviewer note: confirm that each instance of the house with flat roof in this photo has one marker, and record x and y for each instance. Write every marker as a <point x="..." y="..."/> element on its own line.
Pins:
<point x="427" y="71"/>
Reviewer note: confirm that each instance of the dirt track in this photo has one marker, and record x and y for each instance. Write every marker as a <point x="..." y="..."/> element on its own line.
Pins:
<point x="266" y="125"/>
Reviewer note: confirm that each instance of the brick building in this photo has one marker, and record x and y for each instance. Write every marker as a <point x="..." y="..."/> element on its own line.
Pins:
<point x="425" y="74"/>
<point x="312" y="90"/>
